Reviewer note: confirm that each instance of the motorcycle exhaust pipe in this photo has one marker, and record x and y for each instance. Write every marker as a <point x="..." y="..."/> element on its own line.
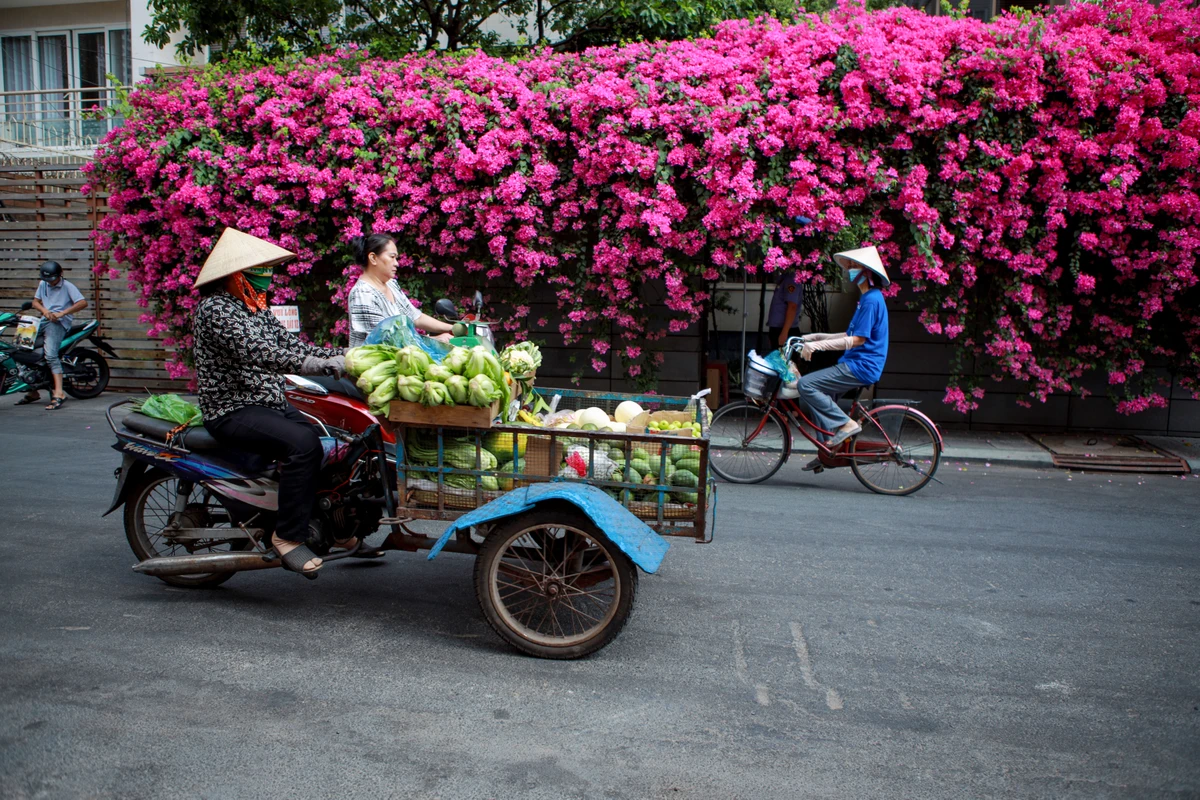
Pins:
<point x="200" y="564"/>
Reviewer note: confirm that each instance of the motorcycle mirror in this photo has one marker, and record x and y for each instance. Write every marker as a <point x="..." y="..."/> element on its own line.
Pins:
<point x="28" y="304"/>
<point x="445" y="308"/>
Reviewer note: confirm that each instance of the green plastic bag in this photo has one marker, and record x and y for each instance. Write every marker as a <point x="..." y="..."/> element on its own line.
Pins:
<point x="172" y="408"/>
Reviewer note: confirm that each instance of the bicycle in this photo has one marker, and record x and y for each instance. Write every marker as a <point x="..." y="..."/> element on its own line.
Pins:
<point x="896" y="453"/>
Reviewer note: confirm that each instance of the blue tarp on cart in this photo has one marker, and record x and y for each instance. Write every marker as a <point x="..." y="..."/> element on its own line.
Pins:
<point x="632" y="537"/>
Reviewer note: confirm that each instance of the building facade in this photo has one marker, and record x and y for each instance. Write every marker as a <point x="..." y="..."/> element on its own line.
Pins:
<point x="61" y="64"/>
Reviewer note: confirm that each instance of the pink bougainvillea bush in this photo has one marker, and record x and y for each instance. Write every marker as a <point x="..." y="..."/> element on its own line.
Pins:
<point x="1035" y="177"/>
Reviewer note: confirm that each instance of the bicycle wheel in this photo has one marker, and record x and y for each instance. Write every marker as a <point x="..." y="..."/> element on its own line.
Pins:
<point x="747" y="443"/>
<point x="908" y="455"/>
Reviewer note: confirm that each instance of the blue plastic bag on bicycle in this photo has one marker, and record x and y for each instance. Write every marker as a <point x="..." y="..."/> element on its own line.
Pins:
<point x="785" y="369"/>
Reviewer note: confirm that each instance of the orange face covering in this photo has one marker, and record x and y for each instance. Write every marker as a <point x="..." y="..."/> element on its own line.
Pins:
<point x="237" y="285"/>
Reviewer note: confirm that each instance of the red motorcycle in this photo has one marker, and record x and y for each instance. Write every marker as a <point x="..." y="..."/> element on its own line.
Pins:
<point x="336" y="402"/>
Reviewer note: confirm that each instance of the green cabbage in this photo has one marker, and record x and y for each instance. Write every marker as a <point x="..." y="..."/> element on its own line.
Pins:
<point x="378" y="399"/>
<point x="412" y="360"/>
<point x="375" y="376"/>
<point x="435" y="394"/>
<point x="482" y="391"/>
<point x="456" y="360"/>
<point x="408" y="387"/>
<point x="361" y="359"/>
<point x="458" y="387"/>
<point x="437" y="372"/>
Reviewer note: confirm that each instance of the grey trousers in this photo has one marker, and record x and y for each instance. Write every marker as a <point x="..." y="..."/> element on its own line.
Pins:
<point x="817" y="388"/>
<point x="52" y="335"/>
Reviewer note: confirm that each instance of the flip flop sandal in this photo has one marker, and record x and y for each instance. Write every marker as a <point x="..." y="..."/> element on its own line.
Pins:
<point x="56" y="404"/>
<point x="26" y="400"/>
<point x="295" y="559"/>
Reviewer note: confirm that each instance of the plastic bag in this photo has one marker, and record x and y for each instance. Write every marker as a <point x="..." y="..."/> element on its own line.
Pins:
<point x="785" y="369"/>
<point x="172" y="408"/>
<point x="399" y="331"/>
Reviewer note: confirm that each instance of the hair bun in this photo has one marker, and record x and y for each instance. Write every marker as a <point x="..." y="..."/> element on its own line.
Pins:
<point x="359" y="245"/>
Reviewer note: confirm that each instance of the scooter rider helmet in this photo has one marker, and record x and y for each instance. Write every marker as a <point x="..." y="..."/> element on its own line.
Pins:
<point x="51" y="270"/>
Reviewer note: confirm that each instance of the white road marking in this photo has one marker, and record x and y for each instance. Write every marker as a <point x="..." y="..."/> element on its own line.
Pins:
<point x="762" y="694"/>
<point x="832" y="699"/>
<point x="739" y="656"/>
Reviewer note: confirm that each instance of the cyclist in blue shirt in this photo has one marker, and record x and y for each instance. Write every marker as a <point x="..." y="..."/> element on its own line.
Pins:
<point x="865" y="343"/>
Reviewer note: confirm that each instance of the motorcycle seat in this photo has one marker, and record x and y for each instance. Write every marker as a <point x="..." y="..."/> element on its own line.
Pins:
<point x="193" y="438"/>
<point x="342" y="386"/>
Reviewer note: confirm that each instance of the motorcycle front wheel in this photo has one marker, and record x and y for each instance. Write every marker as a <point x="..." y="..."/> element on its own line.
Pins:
<point x="151" y="507"/>
<point x="89" y="373"/>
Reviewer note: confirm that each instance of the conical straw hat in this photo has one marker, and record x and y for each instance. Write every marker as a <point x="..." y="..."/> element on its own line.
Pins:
<point x="236" y="251"/>
<point x="865" y="257"/>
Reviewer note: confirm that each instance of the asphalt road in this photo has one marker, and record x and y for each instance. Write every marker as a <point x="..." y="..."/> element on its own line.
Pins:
<point x="1013" y="633"/>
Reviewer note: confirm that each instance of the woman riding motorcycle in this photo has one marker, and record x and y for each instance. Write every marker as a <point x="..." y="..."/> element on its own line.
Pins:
<point x="241" y="352"/>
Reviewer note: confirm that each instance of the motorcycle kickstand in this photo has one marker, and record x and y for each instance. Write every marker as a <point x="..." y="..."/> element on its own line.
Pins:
<point x="267" y="554"/>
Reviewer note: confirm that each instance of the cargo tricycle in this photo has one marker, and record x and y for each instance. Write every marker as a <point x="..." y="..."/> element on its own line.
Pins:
<point x="560" y="520"/>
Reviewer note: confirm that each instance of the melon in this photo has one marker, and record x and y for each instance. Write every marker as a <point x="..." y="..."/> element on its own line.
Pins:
<point x="626" y="411"/>
<point x="593" y="416"/>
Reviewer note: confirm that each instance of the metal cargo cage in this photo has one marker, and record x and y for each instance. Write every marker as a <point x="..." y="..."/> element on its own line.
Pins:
<point x="662" y="478"/>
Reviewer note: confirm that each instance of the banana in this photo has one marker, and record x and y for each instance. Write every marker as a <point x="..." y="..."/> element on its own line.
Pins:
<point x="529" y="418"/>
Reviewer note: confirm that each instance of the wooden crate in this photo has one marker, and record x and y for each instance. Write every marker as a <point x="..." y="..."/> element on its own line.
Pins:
<point x="406" y="413"/>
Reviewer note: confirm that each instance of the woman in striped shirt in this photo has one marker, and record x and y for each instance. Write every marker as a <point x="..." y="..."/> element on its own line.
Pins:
<point x="376" y="296"/>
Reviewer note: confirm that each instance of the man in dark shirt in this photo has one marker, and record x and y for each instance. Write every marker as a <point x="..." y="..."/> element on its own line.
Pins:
<point x="241" y="353"/>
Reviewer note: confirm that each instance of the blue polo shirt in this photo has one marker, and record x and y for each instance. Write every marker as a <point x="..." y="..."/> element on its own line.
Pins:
<point x="59" y="298"/>
<point x="870" y="321"/>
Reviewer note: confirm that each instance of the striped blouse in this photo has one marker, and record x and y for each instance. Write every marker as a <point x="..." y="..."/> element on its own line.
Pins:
<point x="369" y="307"/>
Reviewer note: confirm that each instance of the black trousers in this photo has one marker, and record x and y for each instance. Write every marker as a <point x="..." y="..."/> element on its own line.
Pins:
<point x="287" y="437"/>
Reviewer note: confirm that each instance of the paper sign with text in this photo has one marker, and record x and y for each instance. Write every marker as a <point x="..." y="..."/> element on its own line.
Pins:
<point x="288" y="316"/>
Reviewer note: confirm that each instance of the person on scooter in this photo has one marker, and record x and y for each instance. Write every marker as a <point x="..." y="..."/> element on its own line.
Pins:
<point x="376" y="295"/>
<point x="56" y="300"/>
<point x="241" y="353"/>
<point x="865" y="343"/>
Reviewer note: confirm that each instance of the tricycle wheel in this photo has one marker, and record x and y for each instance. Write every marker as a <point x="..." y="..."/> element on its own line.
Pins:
<point x="552" y="585"/>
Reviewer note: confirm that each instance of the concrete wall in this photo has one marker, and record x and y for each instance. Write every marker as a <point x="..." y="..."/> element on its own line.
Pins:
<point x="147" y="56"/>
<point x="42" y="16"/>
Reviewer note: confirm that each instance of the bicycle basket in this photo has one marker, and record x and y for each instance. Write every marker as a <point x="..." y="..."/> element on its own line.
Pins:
<point x="760" y="379"/>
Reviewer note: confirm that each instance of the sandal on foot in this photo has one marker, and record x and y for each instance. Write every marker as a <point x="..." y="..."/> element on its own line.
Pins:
<point x="56" y="404"/>
<point x="295" y="559"/>
<point x="29" y="398"/>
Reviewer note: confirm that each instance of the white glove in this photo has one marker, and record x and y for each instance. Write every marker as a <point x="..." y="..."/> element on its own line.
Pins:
<point x="835" y="342"/>
<point x="817" y="337"/>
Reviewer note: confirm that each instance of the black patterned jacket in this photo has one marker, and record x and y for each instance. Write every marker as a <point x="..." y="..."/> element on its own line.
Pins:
<point x="241" y="356"/>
